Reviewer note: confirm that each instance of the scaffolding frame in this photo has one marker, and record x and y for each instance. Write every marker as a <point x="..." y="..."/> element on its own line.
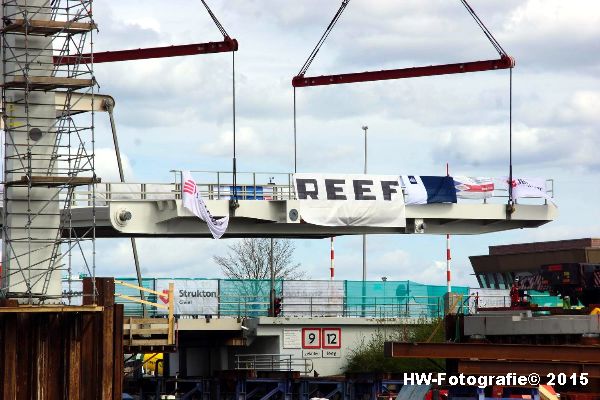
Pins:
<point x="48" y="150"/>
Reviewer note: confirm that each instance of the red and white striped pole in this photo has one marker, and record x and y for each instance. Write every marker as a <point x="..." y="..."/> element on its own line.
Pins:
<point x="448" y="255"/>
<point x="332" y="265"/>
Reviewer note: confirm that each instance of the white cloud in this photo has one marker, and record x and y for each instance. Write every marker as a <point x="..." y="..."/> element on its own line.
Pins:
<point x="106" y="165"/>
<point x="489" y="145"/>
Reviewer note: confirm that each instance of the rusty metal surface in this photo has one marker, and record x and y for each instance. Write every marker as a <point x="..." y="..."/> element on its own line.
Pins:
<point x="525" y="368"/>
<point x="63" y="355"/>
<point x="486" y="351"/>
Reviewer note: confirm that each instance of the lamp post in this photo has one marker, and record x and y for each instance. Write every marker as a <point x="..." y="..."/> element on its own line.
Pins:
<point x="364" y="241"/>
<point x="364" y="272"/>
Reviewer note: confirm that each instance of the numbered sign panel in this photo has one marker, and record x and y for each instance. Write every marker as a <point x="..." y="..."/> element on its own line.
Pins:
<point x="311" y="338"/>
<point x="331" y="338"/>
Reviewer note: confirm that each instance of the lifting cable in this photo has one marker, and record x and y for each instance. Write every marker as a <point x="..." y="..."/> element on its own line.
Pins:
<point x="233" y="203"/>
<point x="484" y="28"/>
<point x="500" y="50"/>
<point x="215" y="20"/>
<point x="311" y="58"/>
<point x="488" y="34"/>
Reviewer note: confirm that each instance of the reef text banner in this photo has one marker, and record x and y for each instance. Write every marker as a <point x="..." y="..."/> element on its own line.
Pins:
<point x="350" y="200"/>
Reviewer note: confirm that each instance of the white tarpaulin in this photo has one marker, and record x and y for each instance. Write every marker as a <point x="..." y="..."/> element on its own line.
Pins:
<point x="350" y="200"/>
<point x="488" y="298"/>
<point x="192" y="200"/>
<point x="530" y="187"/>
<point x="192" y="297"/>
<point x="313" y="298"/>
<point x="473" y="187"/>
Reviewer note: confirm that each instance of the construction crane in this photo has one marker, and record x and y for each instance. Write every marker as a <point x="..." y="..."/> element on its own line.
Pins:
<point x="503" y="62"/>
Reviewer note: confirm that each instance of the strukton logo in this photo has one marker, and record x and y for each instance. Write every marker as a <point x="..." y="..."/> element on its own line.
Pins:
<point x="188" y="296"/>
<point x="165" y="296"/>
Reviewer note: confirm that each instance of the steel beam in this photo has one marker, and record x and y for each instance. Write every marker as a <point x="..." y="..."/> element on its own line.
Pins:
<point x="480" y="367"/>
<point x="486" y="351"/>
<point x="415" y="72"/>
<point x="224" y="46"/>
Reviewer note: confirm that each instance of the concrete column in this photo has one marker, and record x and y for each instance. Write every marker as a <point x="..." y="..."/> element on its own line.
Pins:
<point x="32" y="221"/>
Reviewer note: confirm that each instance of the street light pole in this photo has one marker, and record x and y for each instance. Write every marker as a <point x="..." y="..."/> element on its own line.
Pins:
<point x="364" y="272"/>
<point x="272" y="291"/>
<point x="364" y="242"/>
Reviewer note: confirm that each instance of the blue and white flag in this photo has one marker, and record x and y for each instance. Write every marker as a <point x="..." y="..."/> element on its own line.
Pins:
<point x="428" y="189"/>
<point x="192" y="200"/>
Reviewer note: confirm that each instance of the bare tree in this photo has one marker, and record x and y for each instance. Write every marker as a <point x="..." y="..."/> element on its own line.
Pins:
<point x="249" y="259"/>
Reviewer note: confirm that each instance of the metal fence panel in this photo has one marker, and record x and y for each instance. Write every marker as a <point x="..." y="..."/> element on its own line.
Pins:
<point x="313" y="298"/>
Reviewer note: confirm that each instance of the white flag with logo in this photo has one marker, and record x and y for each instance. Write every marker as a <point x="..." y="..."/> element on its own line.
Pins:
<point x="192" y="200"/>
<point x="530" y="187"/>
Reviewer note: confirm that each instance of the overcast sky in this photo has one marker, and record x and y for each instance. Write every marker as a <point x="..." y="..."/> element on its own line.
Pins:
<point x="176" y="113"/>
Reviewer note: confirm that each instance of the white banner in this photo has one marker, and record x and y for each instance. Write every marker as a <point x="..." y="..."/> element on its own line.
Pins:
<point x="488" y="298"/>
<point x="313" y="298"/>
<point x="473" y="187"/>
<point x="350" y="200"/>
<point x="530" y="187"/>
<point x="192" y="200"/>
<point x="192" y="297"/>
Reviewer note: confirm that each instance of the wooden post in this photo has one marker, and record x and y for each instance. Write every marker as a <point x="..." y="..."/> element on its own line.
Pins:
<point x="118" y="352"/>
<point x="9" y="378"/>
<point x="171" y="335"/>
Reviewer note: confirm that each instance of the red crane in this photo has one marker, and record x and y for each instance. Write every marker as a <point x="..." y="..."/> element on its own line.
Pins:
<point x="505" y="61"/>
<point x="228" y="44"/>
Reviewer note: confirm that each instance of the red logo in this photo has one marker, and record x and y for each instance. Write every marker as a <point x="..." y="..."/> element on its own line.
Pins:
<point x="189" y="187"/>
<point x="165" y="298"/>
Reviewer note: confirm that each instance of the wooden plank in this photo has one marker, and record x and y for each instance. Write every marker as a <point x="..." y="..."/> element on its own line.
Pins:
<point x="149" y="342"/>
<point x="26" y="358"/>
<point x="136" y="300"/>
<point x="53" y="181"/>
<point x="87" y="370"/>
<point x="147" y="331"/>
<point x="171" y="337"/>
<point x="48" y="27"/>
<point x="74" y="361"/>
<point x="50" y="309"/>
<point x="2" y="345"/>
<point x="54" y="355"/>
<point x="46" y="82"/>
<point x="138" y="288"/>
<point x="148" y="321"/>
<point x="118" y="352"/>
<point x="107" y="353"/>
<point x="9" y="344"/>
<point x="149" y="349"/>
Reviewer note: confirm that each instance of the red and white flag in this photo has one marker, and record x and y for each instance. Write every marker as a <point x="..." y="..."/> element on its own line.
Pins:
<point x="192" y="200"/>
<point x="530" y="187"/>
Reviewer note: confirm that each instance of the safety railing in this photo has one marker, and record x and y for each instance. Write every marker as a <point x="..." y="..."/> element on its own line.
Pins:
<point x="216" y="185"/>
<point x="323" y="306"/>
<point x="273" y="362"/>
<point x="481" y="303"/>
<point x="250" y="298"/>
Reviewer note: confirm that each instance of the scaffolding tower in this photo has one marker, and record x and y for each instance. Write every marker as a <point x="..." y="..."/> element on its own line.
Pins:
<point x="48" y="150"/>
